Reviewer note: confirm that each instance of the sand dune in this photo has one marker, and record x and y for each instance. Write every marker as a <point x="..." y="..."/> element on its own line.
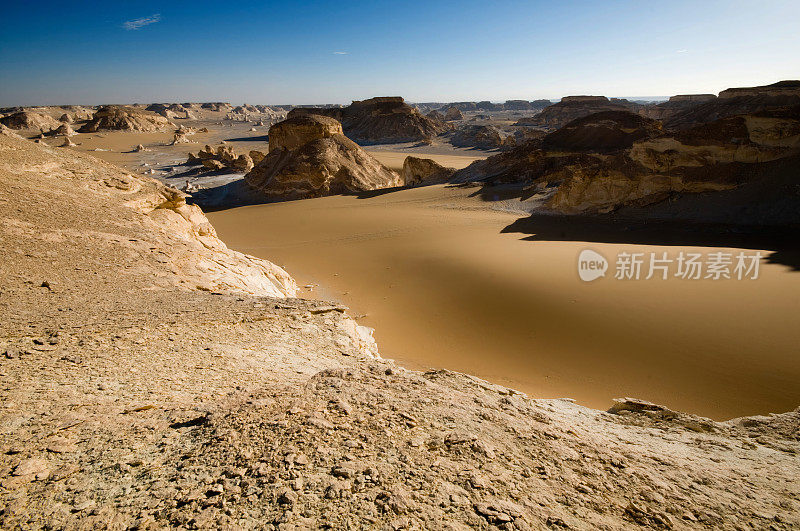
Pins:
<point x="444" y="288"/>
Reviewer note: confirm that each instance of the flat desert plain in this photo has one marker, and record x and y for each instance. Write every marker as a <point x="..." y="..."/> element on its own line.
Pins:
<point x="431" y="270"/>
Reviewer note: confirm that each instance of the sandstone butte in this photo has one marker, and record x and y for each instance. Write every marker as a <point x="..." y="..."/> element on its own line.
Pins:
<point x="310" y="157"/>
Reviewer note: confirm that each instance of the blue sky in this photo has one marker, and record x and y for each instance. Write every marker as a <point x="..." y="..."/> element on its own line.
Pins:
<point x="317" y="52"/>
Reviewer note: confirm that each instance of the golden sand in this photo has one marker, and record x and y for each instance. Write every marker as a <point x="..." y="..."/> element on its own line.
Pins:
<point x="432" y="273"/>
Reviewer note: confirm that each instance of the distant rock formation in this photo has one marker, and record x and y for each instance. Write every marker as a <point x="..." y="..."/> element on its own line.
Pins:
<point x="523" y="105"/>
<point x="381" y="120"/>
<point x="418" y="172"/>
<point x="315" y="161"/>
<point x="479" y="136"/>
<point x="216" y="106"/>
<point x="676" y="104"/>
<point x="735" y="101"/>
<point x="571" y="108"/>
<point x="489" y="106"/>
<point x="29" y="120"/>
<point x="123" y="118"/>
<point x="436" y="115"/>
<point x="452" y="114"/>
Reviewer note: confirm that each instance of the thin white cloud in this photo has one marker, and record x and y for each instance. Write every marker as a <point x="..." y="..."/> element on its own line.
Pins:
<point x="682" y="51"/>
<point x="341" y="53"/>
<point x="141" y="22"/>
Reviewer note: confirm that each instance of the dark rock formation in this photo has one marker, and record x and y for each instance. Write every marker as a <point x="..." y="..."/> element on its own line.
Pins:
<point x="571" y="108"/>
<point x="602" y="132"/>
<point x="382" y="120"/>
<point x="738" y="101"/>
<point x="615" y="159"/>
<point x="479" y="136"/>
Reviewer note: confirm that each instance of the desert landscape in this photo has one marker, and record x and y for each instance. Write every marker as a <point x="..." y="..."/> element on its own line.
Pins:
<point x="577" y="312"/>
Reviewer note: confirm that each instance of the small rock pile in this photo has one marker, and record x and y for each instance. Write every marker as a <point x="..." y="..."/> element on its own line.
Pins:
<point x="223" y="158"/>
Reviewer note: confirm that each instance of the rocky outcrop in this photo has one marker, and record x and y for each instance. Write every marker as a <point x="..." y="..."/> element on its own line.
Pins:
<point x="737" y="101"/>
<point x="64" y="130"/>
<point x="166" y="226"/>
<point x="121" y="118"/>
<point x="676" y="104"/>
<point x="478" y="136"/>
<point x="571" y="108"/>
<point x="325" y="163"/>
<point x="222" y="158"/>
<point x="614" y="159"/>
<point x="301" y="129"/>
<point x="436" y="115"/>
<point x="452" y="114"/>
<point x="30" y="121"/>
<point x="216" y="106"/>
<point x="418" y="172"/>
<point x="602" y="132"/>
<point x="382" y="120"/>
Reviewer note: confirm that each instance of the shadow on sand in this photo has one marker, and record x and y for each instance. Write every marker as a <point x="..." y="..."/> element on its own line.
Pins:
<point x="262" y="138"/>
<point x="783" y="242"/>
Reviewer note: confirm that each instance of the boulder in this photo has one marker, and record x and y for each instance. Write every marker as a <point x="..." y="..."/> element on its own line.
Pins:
<point x="180" y="138"/>
<point x="257" y="156"/>
<point x="242" y="163"/>
<point x="65" y="118"/>
<point x="67" y="142"/>
<point x="64" y="130"/>
<point x="213" y="164"/>
<point x="417" y="171"/>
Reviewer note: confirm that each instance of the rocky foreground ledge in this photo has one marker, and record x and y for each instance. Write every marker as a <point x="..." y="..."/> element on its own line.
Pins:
<point x="151" y="377"/>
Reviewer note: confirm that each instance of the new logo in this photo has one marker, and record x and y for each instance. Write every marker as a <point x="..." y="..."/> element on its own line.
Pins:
<point x="591" y="265"/>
